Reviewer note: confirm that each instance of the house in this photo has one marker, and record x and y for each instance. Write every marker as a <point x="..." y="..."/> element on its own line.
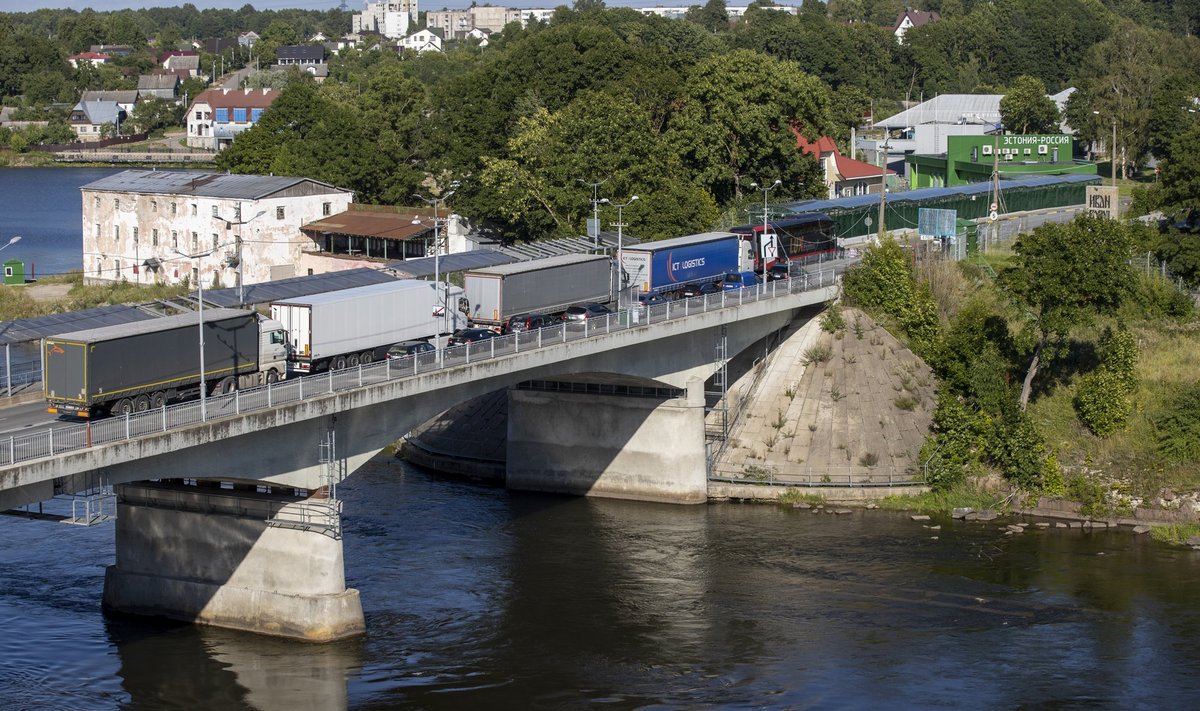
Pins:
<point x="88" y="119"/>
<point x="125" y="98"/>
<point x="248" y="39"/>
<point x="181" y="59"/>
<point x="426" y="40"/>
<point x="300" y="54"/>
<point x="217" y="45"/>
<point x="93" y="58"/>
<point x="217" y="116"/>
<point x="973" y="159"/>
<point x="248" y="226"/>
<point x="112" y="50"/>
<point x="388" y="18"/>
<point x="478" y="34"/>
<point x="912" y="18"/>
<point x="161" y="86"/>
<point x="843" y="176"/>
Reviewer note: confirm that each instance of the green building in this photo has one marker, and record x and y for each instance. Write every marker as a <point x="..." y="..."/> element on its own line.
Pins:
<point x="970" y="159"/>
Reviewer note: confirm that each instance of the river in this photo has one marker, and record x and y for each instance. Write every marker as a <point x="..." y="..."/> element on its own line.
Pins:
<point x="477" y="597"/>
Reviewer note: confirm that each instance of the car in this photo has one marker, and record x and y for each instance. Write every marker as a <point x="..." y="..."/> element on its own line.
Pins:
<point x="739" y="280"/>
<point x="777" y="271"/>
<point x="408" y="348"/>
<point x="470" y="335"/>
<point x="701" y="289"/>
<point x="583" y="312"/>
<point x="528" y="322"/>
<point x="650" y="299"/>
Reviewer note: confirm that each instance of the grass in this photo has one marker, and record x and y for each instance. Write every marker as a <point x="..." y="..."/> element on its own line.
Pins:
<point x="15" y="301"/>
<point x="907" y="402"/>
<point x="795" y="496"/>
<point x="962" y="496"/>
<point x="816" y="354"/>
<point x="1175" y="533"/>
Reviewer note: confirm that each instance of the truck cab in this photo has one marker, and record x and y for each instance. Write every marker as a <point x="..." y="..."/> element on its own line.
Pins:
<point x="273" y="348"/>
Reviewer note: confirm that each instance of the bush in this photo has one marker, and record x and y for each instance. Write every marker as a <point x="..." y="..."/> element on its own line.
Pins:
<point x="1177" y="431"/>
<point x="816" y="354"/>
<point x="954" y="450"/>
<point x="832" y="320"/>
<point x="1118" y="354"/>
<point x="1102" y="402"/>
<point x="1017" y="449"/>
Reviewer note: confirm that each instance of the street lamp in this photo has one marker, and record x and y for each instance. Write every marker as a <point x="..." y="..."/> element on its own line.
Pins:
<point x="12" y="241"/>
<point x="596" y="200"/>
<point x="435" y="202"/>
<point x="1112" y="150"/>
<point x="200" y="311"/>
<point x="620" y="225"/>
<point x="762" y="239"/>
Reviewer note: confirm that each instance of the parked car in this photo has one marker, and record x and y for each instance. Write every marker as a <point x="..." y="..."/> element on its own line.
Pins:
<point x="701" y="289"/>
<point x="650" y="299"/>
<point x="529" y="322"/>
<point x="777" y="271"/>
<point x="739" y="280"/>
<point x="470" y="335"/>
<point x="583" y="312"/>
<point x="408" y="348"/>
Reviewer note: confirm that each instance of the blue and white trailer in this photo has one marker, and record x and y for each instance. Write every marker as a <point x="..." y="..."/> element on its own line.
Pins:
<point x="671" y="264"/>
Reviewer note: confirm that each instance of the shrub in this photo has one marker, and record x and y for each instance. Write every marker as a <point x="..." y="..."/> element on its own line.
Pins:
<point x="1118" y="354"/>
<point x="832" y="320"/>
<point x="869" y="459"/>
<point x="1102" y="403"/>
<point x="907" y="403"/>
<point x="1177" y="431"/>
<point x="816" y="354"/>
<point x="1017" y="449"/>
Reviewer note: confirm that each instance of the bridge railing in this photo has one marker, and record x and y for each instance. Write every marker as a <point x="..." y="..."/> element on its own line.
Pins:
<point x="55" y="441"/>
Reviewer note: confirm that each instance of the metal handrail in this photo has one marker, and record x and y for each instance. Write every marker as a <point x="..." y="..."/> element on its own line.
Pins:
<point x="52" y="442"/>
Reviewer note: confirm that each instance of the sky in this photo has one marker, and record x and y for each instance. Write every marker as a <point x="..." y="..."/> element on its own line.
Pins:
<point x="353" y="5"/>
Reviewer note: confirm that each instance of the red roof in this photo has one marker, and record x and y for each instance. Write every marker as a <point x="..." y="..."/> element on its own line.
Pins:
<point x="91" y="55"/>
<point x="848" y="168"/>
<point x="237" y="99"/>
<point x="916" y="17"/>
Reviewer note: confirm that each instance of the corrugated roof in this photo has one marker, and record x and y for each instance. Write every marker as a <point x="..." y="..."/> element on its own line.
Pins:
<point x="544" y="263"/>
<point x="948" y="108"/>
<point x="683" y="241"/>
<point x="848" y="203"/>
<point x="396" y="285"/>
<point x="31" y="329"/>
<point x="122" y="330"/>
<point x="237" y="99"/>
<point x="460" y="262"/>
<point x="384" y="225"/>
<point x="268" y="292"/>
<point x="215" y="185"/>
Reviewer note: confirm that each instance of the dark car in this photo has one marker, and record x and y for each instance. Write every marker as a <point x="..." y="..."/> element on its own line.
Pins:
<point x="739" y="280"/>
<point x="408" y="348"/>
<point x="585" y="311"/>
<point x="651" y="299"/>
<point x="691" y="290"/>
<point x="470" y="335"/>
<point x="776" y="272"/>
<point x="529" y="322"/>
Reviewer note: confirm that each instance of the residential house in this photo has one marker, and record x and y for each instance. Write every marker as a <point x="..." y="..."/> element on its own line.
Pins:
<point x="217" y="45"/>
<point x="125" y="98"/>
<point x="217" y="116"/>
<point x="161" y="86"/>
<point x="89" y="118"/>
<point x="912" y="18"/>
<point x="181" y="59"/>
<point x="843" y="176"/>
<point x="248" y="38"/>
<point x="93" y="58"/>
<point x="137" y="222"/>
<point x="390" y="18"/>
<point x="478" y="34"/>
<point x="425" y="40"/>
<point x="300" y="55"/>
<point x="113" y="50"/>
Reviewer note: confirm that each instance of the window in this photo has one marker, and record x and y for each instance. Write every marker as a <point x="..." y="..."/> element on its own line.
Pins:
<point x="116" y="203"/>
<point x="255" y="115"/>
<point x="116" y="233"/>
<point x="214" y="242"/>
<point x="135" y="235"/>
<point x="215" y="213"/>
<point x="279" y="213"/>
<point x="199" y="116"/>
<point x="239" y="116"/>
<point x="195" y="241"/>
<point x="237" y="212"/>
<point x="195" y="275"/>
<point x="99" y="266"/>
<point x="117" y="268"/>
<point x="326" y="208"/>
<point x="154" y="238"/>
<point x="173" y="210"/>
<point x="96" y="230"/>
<point x="174" y="239"/>
<point x="153" y="206"/>
<point x="222" y="115"/>
<point x="193" y="209"/>
<point x="96" y="203"/>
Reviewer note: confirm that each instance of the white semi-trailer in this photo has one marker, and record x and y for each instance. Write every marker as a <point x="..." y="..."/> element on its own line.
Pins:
<point x="546" y="286"/>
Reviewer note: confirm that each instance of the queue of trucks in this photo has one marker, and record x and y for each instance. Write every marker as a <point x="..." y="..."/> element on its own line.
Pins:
<point x="145" y="365"/>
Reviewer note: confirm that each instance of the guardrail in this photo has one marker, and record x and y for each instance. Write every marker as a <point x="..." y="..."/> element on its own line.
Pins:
<point x="21" y="374"/>
<point x="52" y="442"/>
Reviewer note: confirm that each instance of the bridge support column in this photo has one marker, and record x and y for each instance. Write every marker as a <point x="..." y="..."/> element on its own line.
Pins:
<point x="209" y="556"/>
<point x="616" y="446"/>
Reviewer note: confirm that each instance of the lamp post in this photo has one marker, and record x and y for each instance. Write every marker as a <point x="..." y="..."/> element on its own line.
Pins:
<point x="435" y="202"/>
<point x="13" y="240"/>
<point x="7" y="356"/>
<point x="200" y="312"/>
<point x="620" y="225"/>
<point x="595" y="206"/>
<point x="1112" y="150"/>
<point x="766" y="225"/>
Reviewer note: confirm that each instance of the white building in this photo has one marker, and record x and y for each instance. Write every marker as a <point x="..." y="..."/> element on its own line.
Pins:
<point x="390" y="18"/>
<point x="217" y="116"/>
<point x="423" y="41"/>
<point x="137" y="224"/>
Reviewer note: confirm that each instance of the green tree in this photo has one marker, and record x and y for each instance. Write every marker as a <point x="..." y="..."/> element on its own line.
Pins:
<point x="1063" y="276"/>
<point x="1181" y="171"/>
<point x="712" y="16"/>
<point x="1027" y="109"/>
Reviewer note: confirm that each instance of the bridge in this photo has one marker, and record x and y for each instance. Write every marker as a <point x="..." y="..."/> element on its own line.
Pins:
<point x="228" y="513"/>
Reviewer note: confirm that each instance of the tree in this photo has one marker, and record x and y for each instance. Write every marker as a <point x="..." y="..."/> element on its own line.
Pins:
<point x="1063" y="276"/>
<point x="1181" y="170"/>
<point x="1027" y="109"/>
<point x="712" y="16"/>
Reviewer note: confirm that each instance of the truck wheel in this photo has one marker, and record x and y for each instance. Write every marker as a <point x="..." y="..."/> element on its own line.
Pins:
<point x="124" y="406"/>
<point x="141" y="403"/>
<point x="272" y="377"/>
<point x="366" y="358"/>
<point x="227" y="385"/>
<point x="338" y="363"/>
<point x="352" y="360"/>
<point x="158" y="400"/>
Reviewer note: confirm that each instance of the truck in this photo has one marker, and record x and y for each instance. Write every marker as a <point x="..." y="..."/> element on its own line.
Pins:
<point x="134" y="367"/>
<point x="670" y="264"/>
<point x="349" y="327"/>
<point x="546" y="286"/>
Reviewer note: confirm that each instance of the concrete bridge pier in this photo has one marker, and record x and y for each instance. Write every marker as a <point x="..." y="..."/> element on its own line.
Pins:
<point x="630" y="444"/>
<point x="245" y="559"/>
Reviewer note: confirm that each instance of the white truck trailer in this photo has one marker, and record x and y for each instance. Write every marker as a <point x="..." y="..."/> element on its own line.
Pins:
<point x="546" y="286"/>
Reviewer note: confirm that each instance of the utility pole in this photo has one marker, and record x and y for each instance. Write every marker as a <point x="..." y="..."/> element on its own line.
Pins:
<point x="594" y="226"/>
<point x="883" y="185"/>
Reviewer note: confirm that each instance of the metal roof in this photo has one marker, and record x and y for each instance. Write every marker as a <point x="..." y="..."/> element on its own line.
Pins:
<point x="683" y="241"/>
<point x="544" y="263"/>
<point x="460" y="262"/>
<point x="361" y="223"/>
<point x="214" y="185"/>
<point x="948" y="108"/>
<point x="123" y="330"/>
<point x="395" y="285"/>
<point x="25" y="330"/>
<point x="271" y="291"/>
<point x="849" y="203"/>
